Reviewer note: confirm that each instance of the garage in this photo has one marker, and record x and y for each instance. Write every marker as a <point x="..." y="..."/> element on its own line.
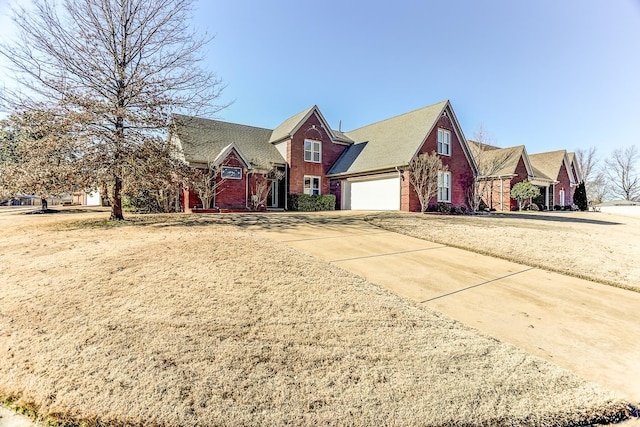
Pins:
<point x="381" y="194"/>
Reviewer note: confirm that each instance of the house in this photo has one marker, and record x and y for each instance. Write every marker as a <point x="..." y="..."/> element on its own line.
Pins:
<point x="575" y="168"/>
<point x="553" y="174"/>
<point x="499" y="169"/>
<point x="365" y="169"/>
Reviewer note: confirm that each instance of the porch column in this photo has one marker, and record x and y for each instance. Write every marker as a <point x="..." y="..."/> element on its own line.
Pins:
<point x="546" y="196"/>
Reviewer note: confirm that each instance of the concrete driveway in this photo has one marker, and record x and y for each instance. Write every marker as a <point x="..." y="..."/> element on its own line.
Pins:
<point x="588" y="328"/>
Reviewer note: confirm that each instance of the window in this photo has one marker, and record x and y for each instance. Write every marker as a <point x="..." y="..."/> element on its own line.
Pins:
<point x="444" y="142"/>
<point x="311" y="185"/>
<point x="231" y="173"/>
<point x="444" y="186"/>
<point x="312" y="151"/>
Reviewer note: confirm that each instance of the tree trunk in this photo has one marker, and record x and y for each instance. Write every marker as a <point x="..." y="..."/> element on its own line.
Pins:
<point x="45" y="204"/>
<point x="116" y="201"/>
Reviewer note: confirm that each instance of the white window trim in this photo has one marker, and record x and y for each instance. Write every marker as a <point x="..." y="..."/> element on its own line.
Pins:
<point x="311" y="178"/>
<point x="441" y="144"/>
<point x="441" y="175"/>
<point x="237" y="175"/>
<point x="313" y="141"/>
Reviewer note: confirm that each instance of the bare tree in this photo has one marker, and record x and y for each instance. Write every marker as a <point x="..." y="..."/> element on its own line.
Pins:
<point x="597" y="188"/>
<point x="623" y="174"/>
<point x="262" y="188"/>
<point x="44" y="157"/>
<point x="490" y="160"/>
<point x="592" y="175"/>
<point x="587" y="161"/>
<point x="205" y="182"/>
<point x="423" y="175"/>
<point x="126" y="65"/>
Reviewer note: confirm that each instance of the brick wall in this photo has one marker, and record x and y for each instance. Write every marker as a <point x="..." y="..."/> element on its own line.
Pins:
<point x="461" y="171"/>
<point x="564" y="183"/>
<point x="313" y="129"/>
<point x="232" y="193"/>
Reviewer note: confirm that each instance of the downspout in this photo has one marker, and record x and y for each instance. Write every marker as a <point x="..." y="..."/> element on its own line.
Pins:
<point x="246" y="190"/>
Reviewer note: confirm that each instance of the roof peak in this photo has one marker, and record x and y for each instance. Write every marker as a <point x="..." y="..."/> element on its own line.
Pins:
<point x="446" y="101"/>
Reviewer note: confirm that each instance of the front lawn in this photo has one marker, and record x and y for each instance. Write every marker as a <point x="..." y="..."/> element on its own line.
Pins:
<point x="178" y="321"/>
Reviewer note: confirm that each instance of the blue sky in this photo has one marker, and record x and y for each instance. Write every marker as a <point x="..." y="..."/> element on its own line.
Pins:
<point x="548" y="74"/>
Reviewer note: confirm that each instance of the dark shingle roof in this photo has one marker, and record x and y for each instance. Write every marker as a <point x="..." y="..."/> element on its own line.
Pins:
<point x="548" y="164"/>
<point x="495" y="161"/>
<point x="202" y="140"/>
<point x="389" y="143"/>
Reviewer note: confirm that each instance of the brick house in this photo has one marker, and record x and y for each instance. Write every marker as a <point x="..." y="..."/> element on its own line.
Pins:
<point x="499" y="170"/>
<point x="555" y="176"/>
<point x="365" y="168"/>
<point x="575" y="168"/>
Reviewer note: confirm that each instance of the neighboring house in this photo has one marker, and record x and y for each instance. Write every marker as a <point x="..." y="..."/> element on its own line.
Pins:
<point x="553" y="174"/>
<point x="499" y="170"/>
<point x="92" y="198"/>
<point x="365" y="169"/>
<point x="575" y="168"/>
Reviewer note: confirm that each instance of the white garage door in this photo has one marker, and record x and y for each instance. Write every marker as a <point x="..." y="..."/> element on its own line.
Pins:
<point x="373" y="195"/>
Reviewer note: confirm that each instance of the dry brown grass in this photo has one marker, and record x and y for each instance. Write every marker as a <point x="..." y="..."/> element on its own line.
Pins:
<point x="591" y="245"/>
<point x="179" y="321"/>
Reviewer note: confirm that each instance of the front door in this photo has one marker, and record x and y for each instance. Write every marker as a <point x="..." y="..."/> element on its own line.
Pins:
<point x="562" y="197"/>
<point x="274" y="194"/>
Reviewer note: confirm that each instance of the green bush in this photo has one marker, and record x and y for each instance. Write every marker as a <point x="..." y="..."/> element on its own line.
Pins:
<point x="312" y="203"/>
<point x="444" y="208"/>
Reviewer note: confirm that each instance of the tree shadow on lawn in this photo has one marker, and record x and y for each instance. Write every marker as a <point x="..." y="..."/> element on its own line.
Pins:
<point x="248" y="220"/>
<point x="268" y="220"/>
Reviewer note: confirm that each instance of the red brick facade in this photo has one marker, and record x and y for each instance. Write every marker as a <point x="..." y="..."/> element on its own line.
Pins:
<point x="232" y="193"/>
<point x="564" y="183"/>
<point x="312" y="129"/>
<point x="458" y="163"/>
<point x="496" y="194"/>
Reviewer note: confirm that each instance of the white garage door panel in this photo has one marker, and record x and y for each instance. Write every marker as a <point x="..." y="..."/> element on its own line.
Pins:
<point x="378" y="195"/>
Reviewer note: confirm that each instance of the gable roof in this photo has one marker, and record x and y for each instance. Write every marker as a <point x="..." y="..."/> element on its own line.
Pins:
<point x="287" y="128"/>
<point x="576" y="166"/>
<point x="548" y="164"/>
<point x="393" y="142"/>
<point x="203" y="140"/>
<point x="231" y="148"/>
<point x="495" y="161"/>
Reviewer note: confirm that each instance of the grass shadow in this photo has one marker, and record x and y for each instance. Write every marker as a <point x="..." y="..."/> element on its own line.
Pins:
<point x="556" y="217"/>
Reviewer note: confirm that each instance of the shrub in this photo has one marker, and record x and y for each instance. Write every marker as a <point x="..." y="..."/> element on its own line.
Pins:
<point x="534" y="207"/>
<point x="312" y="203"/>
<point x="557" y="207"/>
<point x="147" y="201"/>
<point x="444" y="208"/>
<point x="580" y="197"/>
